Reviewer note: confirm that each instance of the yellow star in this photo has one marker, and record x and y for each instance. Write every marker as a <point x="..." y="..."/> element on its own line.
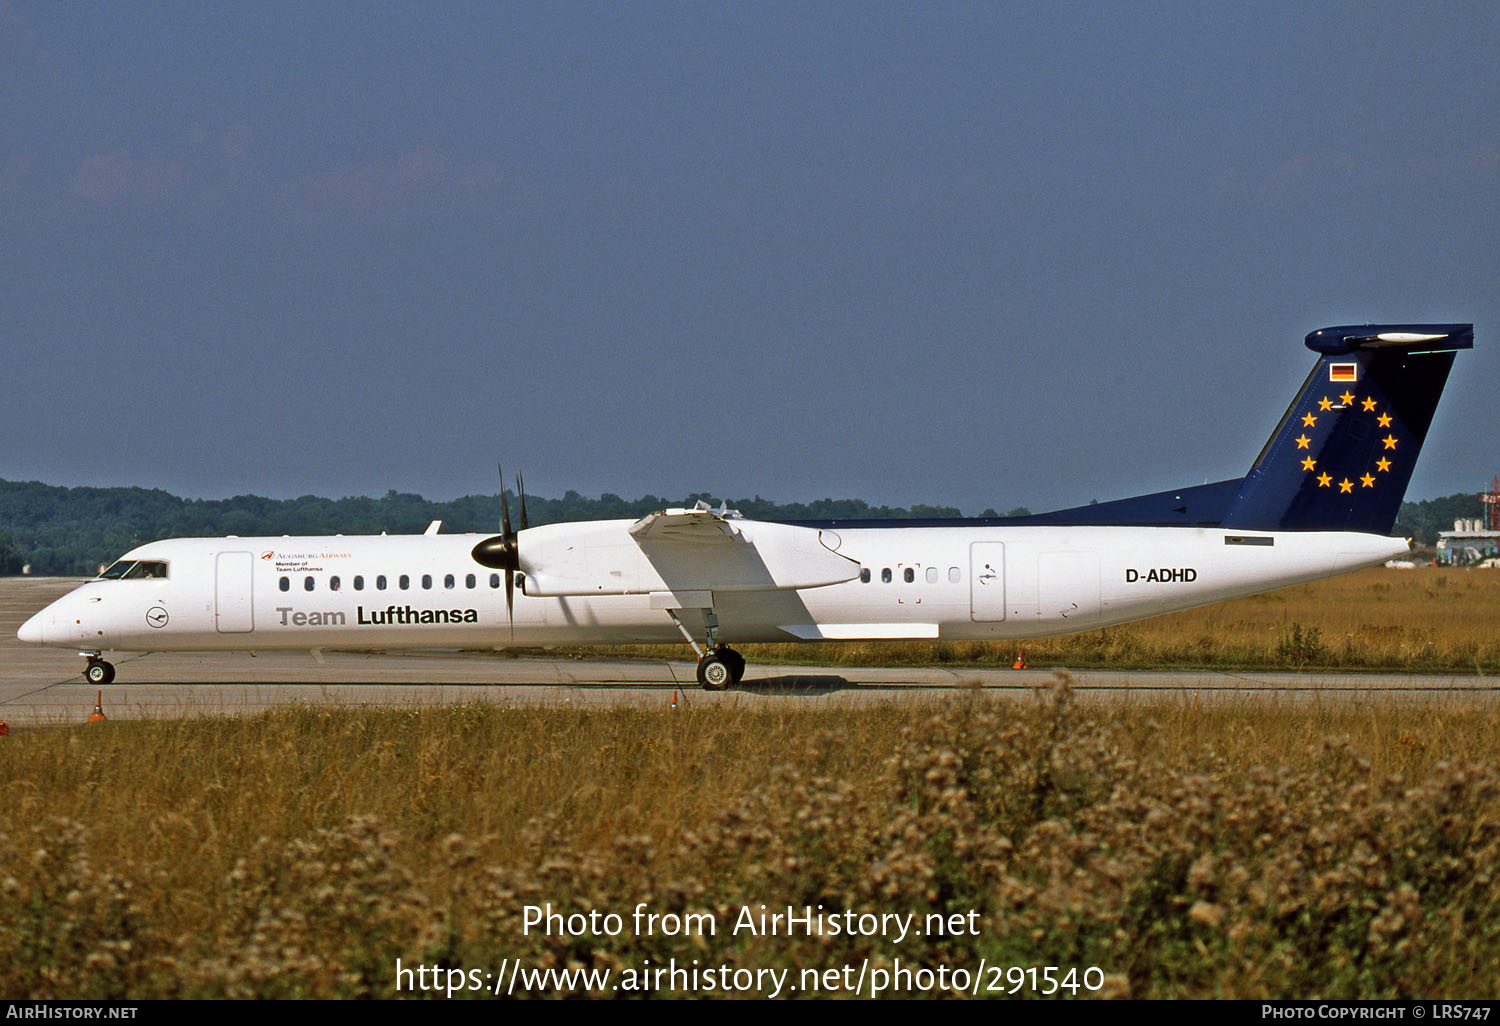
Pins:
<point x="1302" y="441"/>
<point x="1347" y="397"/>
<point x="1309" y="464"/>
<point x="1308" y="420"/>
<point x="1324" y="480"/>
<point x="1382" y="464"/>
<point x="1384" y="420"/>
<point x="1369" y="405"/>
<point x="1325" y="403"/>
<point x="1346" y="485"/>
<point x="1367" y="481"/>
<point x="1390" y="441"/>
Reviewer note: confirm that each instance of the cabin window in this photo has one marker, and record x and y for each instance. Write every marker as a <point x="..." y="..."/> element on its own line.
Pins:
<point x="885" y="576"/>
<point x="403" y="582"/>
<point x="286" y="584"/>
<point x="333" y="583"/>
<point x="932" y="575"/>
<point x="359" y="583"/>
<point x="864" y="576"/>
<point x="909" y="575"/>
<point x="380" y="582"/>
<point x="494" y="580"/>
<point x="308" y="584"/>
<point x="953" y="575"/>
<point x="449" y="582"/>
<point x="427" y="582"/>
<point x="471" y="581"/>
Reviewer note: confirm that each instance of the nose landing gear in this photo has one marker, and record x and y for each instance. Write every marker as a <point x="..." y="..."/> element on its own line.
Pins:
<point x="98" y="671"/>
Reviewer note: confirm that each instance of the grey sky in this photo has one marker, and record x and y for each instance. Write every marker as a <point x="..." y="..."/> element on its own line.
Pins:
<point x="996" y="254"/>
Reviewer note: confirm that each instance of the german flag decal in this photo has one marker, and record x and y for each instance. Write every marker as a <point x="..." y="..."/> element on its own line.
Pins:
<point x="1343" y="372"/>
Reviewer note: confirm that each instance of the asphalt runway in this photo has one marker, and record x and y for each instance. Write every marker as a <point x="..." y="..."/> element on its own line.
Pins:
<point x="45" y="686"/>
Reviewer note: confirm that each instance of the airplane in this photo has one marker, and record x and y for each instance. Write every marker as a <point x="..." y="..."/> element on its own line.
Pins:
<point x="1318" y="501"/>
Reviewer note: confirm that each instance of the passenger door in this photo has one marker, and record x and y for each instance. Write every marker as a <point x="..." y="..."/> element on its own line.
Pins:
<point x="234" y="605"/>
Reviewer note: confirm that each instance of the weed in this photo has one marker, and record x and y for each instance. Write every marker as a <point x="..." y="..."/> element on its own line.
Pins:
<point x="1255" y="851"/>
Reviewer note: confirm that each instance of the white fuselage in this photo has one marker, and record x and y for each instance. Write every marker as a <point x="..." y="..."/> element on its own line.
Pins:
<point x="903" y="582"/>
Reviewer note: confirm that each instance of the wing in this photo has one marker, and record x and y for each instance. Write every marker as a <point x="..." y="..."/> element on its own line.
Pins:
<point x="680" y="551"/>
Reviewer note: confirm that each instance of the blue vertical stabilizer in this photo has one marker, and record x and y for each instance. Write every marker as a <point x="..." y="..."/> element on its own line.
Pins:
<point x="1344" y="451"/>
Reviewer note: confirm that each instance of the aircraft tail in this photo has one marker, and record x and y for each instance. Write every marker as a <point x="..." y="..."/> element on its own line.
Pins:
<point x="1345" y="449"/>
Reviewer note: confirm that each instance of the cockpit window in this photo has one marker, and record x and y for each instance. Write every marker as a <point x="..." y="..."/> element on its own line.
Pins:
<point x="135" y="570"/>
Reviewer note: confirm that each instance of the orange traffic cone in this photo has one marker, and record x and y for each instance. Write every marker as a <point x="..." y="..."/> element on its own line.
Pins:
<point x="1020" y="663"/>
<point x="98" y="714"/>
<point x="674" y="698"/>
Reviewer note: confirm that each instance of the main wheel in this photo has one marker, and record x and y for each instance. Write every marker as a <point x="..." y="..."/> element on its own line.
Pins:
<point x="99" y="672"/>
<point x="736" y="663"/>
<point x="715" y="672"/>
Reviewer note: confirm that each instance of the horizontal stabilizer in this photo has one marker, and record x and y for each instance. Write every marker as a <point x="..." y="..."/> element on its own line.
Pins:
<point x="1350" y="338"/>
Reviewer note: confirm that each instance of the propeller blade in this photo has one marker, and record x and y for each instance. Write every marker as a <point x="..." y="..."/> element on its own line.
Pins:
<point x="510" y="601"/>
<point x="504" y="508"/>
<point x="502" y="552"/>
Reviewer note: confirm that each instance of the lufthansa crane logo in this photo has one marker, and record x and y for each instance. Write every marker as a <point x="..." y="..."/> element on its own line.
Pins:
<point x="156" y="616"/>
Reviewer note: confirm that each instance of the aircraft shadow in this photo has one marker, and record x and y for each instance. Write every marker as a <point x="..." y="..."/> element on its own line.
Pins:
<point x="796" y="684"/>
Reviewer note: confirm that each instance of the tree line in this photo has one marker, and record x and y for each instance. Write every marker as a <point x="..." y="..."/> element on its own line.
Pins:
<point x="1423" y="520"/>
<point x="71" y="531"/>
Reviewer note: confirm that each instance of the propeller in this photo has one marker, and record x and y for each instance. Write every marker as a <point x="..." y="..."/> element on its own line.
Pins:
<point x="502" y="551"/>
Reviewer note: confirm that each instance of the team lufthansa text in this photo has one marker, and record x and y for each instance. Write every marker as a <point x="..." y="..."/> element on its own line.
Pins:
<point x="291" y="617"/>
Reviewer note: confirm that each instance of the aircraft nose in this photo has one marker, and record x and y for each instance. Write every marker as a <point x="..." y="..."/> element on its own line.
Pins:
<point x="33" y="630"/>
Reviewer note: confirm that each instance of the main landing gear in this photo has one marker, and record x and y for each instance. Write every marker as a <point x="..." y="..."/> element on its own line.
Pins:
<point x="720" y="666"/>
<point x="97" y="671"/>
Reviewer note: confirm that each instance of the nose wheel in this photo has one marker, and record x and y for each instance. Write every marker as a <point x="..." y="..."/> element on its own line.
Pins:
<point x="98" y="671"/>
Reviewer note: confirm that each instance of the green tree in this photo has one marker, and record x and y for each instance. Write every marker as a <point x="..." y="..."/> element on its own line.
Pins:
<point x="1423" y="520"/>
<point x="10" y="558"/>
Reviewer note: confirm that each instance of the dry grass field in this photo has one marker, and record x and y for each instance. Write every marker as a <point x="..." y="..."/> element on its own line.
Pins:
<point x="1254" y="850"/>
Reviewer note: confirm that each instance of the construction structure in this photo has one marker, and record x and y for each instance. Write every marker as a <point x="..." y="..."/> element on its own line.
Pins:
<point x="1473" y="542"/>
<point x="1491" y="500"/>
